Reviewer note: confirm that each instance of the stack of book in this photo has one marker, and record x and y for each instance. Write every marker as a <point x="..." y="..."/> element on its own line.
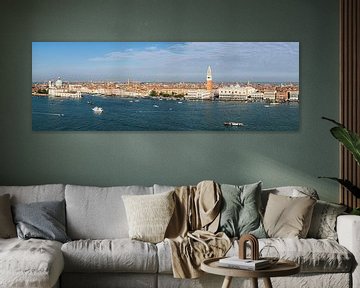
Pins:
<point x="248" y="264"/>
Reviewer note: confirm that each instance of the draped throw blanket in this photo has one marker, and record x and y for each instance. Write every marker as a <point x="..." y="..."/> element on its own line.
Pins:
<point x="191" y="231"/>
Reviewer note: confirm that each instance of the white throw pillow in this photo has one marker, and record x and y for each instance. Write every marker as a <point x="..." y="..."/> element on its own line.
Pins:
<point x="149" y="215"/>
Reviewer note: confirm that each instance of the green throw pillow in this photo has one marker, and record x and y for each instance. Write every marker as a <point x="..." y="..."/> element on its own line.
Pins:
<point x="240" y="213"/>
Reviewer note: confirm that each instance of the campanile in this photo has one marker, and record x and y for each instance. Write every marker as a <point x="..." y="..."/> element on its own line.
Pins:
<point x="209" y="82"/>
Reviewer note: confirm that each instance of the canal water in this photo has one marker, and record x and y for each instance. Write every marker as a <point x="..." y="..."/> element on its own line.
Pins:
<point x="131" y="114"/>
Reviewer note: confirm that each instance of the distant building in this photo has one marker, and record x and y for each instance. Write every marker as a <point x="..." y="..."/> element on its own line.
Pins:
<point x="198" y="94"/>
<point x="236" y="92"/>
<point x="281" y="96"/>
<point x="209" y="82"/>
<point x="61" y="90"/>
<point x="270" y="95"/>
<point x="257" y="96"/>
<point x="293" y="96"/>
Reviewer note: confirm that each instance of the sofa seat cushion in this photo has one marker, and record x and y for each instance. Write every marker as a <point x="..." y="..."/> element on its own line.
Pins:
<point x="30" y="263"/>
<point x="115" y="255"/>
<point x="313" y="255"/>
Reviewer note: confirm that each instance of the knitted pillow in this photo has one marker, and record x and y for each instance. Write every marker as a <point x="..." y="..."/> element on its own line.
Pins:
<point x="149" y="215"/>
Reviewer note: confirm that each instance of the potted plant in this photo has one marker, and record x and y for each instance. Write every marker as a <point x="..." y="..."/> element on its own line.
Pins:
<point x="351" y="141"/>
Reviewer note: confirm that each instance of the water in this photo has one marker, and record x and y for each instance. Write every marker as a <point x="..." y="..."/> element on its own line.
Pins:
<point x="127" y="114"/>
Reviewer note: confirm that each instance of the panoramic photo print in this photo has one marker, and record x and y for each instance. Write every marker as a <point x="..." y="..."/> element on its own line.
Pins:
<point x="165" y="86"/>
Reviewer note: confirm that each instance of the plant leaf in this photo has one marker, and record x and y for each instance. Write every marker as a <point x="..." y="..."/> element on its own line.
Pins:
<point x="349" y="139"/>
<point x="347" y="184"/>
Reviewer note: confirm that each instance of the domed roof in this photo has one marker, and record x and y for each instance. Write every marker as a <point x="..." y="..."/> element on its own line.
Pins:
<point x="58" y="83"/>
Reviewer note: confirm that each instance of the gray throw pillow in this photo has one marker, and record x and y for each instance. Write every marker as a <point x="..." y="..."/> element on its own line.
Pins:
<point x="323" y="222"/>
<point x="44" y="220"/>
<point x="7" y="226"/>
<point x="240" y="213"/>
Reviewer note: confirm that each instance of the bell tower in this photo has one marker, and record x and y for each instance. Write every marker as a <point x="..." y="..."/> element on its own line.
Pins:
<point x="209" y="82"/>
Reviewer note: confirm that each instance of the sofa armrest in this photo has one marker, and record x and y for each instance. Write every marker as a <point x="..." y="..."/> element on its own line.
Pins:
<point x="348" y="230"/>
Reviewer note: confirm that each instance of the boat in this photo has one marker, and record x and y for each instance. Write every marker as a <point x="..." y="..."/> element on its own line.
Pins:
<point x="230" y="123"/>
<point x="97" y="109"/>
<point x="156" y="106"/>
<point x="180" y="102"/>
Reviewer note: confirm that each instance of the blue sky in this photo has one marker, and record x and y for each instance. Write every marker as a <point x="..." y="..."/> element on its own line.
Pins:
<point x="166" y="61"/>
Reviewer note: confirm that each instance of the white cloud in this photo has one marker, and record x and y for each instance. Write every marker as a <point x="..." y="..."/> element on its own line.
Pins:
<point x="182" y="61"/>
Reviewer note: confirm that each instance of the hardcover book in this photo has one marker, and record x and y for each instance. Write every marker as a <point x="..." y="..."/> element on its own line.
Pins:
<point x="236" y="262"/>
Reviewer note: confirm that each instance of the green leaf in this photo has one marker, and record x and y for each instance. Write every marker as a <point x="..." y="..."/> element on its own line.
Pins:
<point x="349" y="139"/>
<point x="347" y="184"/>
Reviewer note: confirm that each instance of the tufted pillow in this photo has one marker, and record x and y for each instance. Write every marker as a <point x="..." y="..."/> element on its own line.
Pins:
<point x="288" y="217"/>
<point x="7" y="226"/>
<point x="149" y="215"/>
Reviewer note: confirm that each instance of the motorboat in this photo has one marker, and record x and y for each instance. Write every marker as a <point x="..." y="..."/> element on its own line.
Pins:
<point x="230" y="123"/>
<point x="97" y="109"/>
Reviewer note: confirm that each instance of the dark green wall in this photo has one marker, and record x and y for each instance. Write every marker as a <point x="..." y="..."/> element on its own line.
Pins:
<point x="123" y="158"/>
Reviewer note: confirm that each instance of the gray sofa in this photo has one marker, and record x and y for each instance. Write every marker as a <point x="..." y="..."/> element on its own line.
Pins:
<point x="101" y="254"/>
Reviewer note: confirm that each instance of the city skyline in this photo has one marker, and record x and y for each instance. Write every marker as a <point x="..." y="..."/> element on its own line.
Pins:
<point x="166" y="61"/>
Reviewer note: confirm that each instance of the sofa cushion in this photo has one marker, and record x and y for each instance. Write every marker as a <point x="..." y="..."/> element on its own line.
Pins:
<point x="323" y="222"/>
<point x="149" y="215"/>
<point x="117" y="255"/>
<point x="287" y="216"/>
<point x="36" y="193"/>
<point x="291" y="191"/>
<point x="7" y="226"/>
<point x="30" y="263"/>
<point x="43" y="220"/>
<point x="240" y="210"/>
<point x="98" y="213"/>
<point x="313" y="255"/>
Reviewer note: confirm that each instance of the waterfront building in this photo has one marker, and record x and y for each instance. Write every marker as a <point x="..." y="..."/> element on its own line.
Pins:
<point x="256" y="96"/>
<point x="236" y="92"/>
<point x="270" y="95"/>
<point x="293" y="96"/>
<point x="58" y="89"/>
<point x="281" y="96"/>
<point x="198" y="94"/>
<point x="209" y="82"/>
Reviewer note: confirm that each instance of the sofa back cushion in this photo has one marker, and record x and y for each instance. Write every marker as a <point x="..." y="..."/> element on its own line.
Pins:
<point x="36" y="193"/>
<point x="290" y="191"/>
<point x="98" y="212"/>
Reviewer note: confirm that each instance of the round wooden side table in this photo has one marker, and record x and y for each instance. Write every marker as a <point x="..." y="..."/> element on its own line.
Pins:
<point x="281" y="268"/>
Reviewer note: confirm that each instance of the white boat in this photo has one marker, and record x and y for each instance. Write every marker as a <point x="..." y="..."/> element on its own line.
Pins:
<point x="156" y="106"/>
<point x="97" y="109"/>
<point x="230" y="123"/>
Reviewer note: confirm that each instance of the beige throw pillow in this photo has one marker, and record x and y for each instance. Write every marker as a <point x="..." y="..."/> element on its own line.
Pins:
<point x="7" y="226"/>
<point x="288" y="217"/>
<point x="149" y="215"/>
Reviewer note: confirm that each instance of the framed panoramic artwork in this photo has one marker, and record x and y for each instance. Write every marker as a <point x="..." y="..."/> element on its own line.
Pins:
<point x="165" y="86"/>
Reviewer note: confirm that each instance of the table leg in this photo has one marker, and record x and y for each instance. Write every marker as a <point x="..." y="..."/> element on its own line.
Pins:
<point x="267" y="283"/>
<point x="254" y="282"/>
<point x="227" y="282"/>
